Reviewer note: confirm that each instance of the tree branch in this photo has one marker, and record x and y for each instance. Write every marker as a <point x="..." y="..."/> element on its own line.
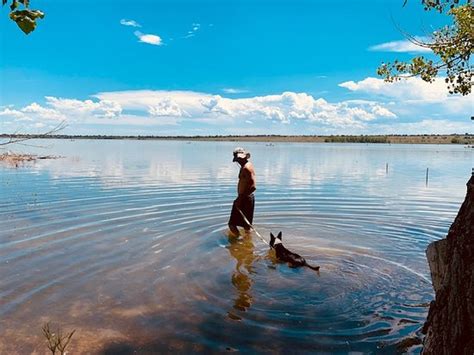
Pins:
<point x="13" y="140"/>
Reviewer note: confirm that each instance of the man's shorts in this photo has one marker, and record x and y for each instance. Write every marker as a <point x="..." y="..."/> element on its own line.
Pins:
<point x="247" y="205"/>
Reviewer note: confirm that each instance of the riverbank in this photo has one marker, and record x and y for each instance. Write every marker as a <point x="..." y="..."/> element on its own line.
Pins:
<point x="387" y="139"/>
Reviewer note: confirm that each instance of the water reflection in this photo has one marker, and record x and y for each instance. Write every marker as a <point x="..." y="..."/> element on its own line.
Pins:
<point x="160" y="212"/>
<point x="125" y="163"/>
<point x="242" y="250"/>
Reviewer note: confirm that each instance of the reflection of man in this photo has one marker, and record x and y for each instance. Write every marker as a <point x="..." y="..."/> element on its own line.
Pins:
<point x="245" y="202"/>
<point x="243" y="251"/>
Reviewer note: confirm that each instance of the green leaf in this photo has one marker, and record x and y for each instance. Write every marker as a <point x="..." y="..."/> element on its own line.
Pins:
<point x="26" y="19"/>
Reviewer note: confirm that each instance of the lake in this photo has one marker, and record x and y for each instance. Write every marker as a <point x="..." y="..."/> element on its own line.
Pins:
<point x="126" y="242"/>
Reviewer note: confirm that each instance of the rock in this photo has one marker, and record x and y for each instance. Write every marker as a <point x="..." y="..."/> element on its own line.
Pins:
<point x="449" y="328"/>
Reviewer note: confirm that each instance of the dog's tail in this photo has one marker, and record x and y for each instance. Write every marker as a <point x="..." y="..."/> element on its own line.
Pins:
<point x="315" y="268"/>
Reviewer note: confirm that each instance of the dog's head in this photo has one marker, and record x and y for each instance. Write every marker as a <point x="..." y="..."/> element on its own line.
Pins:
<point x="275" y="240"/>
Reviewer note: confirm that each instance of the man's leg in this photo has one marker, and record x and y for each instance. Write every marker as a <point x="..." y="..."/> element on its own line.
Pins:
<point x="233" y="229"/>
<point x="234" y="220"/>
<point x="247" y="227"/>
<point x="249" y="209"/>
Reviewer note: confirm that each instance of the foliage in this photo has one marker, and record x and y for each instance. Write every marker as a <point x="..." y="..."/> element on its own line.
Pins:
<point x="357" y="139"/>
<point x="26" y="18"/>
<point x="453" y="45"/>
<point x="57" y="341"/>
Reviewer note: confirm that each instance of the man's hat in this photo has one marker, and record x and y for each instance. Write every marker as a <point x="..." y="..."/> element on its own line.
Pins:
<point x="241" y="153"/>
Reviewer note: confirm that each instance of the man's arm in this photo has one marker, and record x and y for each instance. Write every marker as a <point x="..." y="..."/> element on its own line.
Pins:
<point x="250" y="183"/>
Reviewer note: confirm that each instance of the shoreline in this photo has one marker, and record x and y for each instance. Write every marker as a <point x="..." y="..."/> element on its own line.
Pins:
<point x="379" y="139"/>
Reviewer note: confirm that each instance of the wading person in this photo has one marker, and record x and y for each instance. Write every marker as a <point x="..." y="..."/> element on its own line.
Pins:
<point x="245" y="201"/>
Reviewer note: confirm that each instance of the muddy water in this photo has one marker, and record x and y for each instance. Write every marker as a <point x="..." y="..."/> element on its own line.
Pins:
<point x="126" y="242"/>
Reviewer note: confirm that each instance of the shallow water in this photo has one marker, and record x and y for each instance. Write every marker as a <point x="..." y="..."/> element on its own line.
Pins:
<point x="126" y="242"/>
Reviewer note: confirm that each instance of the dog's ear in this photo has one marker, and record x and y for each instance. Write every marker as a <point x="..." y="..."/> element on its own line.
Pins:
<point x="279" y="236"/>
<point x="272" y="240"/>
<point x="271" y="235"/>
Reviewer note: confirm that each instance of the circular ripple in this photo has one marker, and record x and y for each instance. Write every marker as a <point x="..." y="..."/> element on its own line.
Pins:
<point x="152" y="264"/>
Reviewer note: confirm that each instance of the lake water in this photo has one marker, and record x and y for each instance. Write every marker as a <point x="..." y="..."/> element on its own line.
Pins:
<point x="126" y="242"/>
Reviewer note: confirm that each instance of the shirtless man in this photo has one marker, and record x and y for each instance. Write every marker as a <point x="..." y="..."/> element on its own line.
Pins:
<point x="245" y="201"/>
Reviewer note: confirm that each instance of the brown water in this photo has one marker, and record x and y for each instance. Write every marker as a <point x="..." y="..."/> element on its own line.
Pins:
<point x="126" y="242"/>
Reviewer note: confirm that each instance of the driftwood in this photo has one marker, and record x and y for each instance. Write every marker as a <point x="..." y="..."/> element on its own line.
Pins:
<point x="15" y="159"/>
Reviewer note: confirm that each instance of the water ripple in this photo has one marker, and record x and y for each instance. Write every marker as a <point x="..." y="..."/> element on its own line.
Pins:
<point x="153" y="260"/>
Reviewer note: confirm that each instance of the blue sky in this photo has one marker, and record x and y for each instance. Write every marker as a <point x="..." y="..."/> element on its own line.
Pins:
<point x="220" y="67"/>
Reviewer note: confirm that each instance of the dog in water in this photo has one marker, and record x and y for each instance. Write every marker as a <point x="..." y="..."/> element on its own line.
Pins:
<point x="283" y="254"/>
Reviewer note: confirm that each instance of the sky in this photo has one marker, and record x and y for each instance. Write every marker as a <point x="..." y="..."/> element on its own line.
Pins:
<point x="183" y="67"/>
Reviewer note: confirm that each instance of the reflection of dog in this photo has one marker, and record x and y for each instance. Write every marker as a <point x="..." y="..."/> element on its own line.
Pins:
<point x="283" y="254"/>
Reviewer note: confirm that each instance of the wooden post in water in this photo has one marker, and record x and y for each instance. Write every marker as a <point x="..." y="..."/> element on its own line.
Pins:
<point x="386" y="168"/>
<point x="427" y="171"/>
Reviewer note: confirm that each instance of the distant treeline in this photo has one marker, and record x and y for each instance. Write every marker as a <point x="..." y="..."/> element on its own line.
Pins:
<point x="466" y="138"/>
<point x="357" y="139"/>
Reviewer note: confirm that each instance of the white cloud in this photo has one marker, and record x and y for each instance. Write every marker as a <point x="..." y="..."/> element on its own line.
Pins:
<point x="37" y="111"/>
<point x="413" y="97"/>
<point x="234" y="91"/>
<point x="188" y="102"/>
<point x="382" y="111"/>
<point x="168" y="108"/>
<point x="301" y="106"/>
<point x="287" y="107"/>
<point x="283" y="108"/>
<point x="288" y="112"/>
<point x="139" y="120"/>
<point x="131" y="23"/>
<point x="412" y="90"/>
<point x="12" y="113"/>
<point x="73" y="107"/>
<point x="59" y="109"/>
<point x="192" y="32"/>
<point x="149" y="38"/>
<point x="404" y="46"/>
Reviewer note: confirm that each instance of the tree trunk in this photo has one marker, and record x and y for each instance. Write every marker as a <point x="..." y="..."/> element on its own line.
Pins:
<point x="449" y="328"/>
